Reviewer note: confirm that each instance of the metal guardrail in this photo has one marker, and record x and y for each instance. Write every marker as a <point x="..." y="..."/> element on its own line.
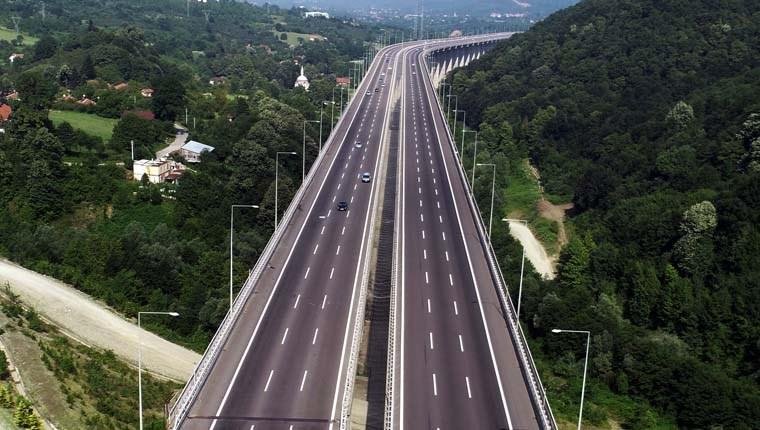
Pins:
<point x="179" y="410"/>
<point x="528" y="366"/>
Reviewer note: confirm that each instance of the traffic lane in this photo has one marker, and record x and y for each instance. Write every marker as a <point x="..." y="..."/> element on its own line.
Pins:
<point x="319" y="272"/>
<point x="514" y="385"/>
<point x="212" y="378"/>
<point x="456" y="378"/>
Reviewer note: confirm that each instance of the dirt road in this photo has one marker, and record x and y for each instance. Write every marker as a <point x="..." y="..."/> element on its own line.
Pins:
<point x="534" y="251"/>
<point x="93" y="323"/>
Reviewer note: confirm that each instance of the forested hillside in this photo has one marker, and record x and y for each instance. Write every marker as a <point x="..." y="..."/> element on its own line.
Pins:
<point x="69" y="206"/>
<point x="647" y="114"/>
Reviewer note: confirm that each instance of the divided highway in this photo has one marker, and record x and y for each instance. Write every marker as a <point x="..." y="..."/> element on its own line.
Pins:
<point x="285" y="359"/>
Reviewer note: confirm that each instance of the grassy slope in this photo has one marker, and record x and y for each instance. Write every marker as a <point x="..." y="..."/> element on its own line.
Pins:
<point x="10" y="35"/>
<point x="88" y="123"/>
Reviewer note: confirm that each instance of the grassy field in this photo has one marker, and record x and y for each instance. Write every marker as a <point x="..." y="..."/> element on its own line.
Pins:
<point x="293" y="37"/>
<point x="10" y="35"/>
<point x="88" y="123"/>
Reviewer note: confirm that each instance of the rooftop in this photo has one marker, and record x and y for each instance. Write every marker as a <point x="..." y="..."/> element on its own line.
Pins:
<point x="197" y="147"/>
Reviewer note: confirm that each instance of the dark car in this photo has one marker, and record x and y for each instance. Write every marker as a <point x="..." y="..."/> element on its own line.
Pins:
<point x="342" y="206"/>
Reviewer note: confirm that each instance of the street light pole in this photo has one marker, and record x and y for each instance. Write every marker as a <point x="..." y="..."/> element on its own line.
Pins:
<point x="448" y="107"/>
<point x="303" y="167"/>
<point x="276" y="173"/>
<point x="139" y="359"/>
<point x="493" y="191"/>
<point x="474" y="159"/>
<point x="522" y="268"/>
<point x="468" y="131"/>
<point x="232" y="223"/>
<point x="585" y="366"/>
<point x="321" y="112"/>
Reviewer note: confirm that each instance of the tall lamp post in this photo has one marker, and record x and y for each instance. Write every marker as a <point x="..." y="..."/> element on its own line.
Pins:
<point x="276" y="174"/>
<point x="232" y="224"/>
<point x="139" y="358"/>
<point x="476" y="139"/>
<point x="454" y="131"/>
<point x="448" y="106"/>
<point x="332" y="110"/>
<point x="585" y="366"/>
<point x="303" y="167"/>
<point x="493" y="190"/>
<point x="522" y="267"/>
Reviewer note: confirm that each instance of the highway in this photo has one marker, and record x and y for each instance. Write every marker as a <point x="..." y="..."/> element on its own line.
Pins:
<point x="458" y="367"/>
<point x="285" y="364"/>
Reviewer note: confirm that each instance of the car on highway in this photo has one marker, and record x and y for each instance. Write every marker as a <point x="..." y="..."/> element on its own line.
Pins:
<point x="342" y="206"/>
<point x="358" y="144"/>
<point x="377" y="90"/>
<point x="367" y="93"/>
<point x="366" y="177"/>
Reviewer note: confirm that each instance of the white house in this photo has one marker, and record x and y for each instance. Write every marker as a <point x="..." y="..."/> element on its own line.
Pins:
<point x="316" y="15"/>
<point x="157" y="171"/>
<point x="191" y="151"/>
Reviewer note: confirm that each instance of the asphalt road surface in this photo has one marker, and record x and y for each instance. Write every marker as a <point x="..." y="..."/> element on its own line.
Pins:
<point x="458" y="368"/>
<point x="285" y="366"/>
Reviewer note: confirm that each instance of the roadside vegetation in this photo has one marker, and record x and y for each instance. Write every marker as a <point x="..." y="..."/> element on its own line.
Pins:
<point x="646" y="114"/>
<point x="75" y="386"/>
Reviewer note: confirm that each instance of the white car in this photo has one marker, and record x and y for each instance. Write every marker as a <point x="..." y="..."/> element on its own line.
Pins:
<point x="358" y="144"/>
<point x="366" y="177"/>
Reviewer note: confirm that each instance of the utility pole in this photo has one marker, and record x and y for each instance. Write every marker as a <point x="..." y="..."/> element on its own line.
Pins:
<point x="16" y="20"/>
<point x="206" y="13"/>
<point x="188" y="9"/>
<point x="42" y="12"/>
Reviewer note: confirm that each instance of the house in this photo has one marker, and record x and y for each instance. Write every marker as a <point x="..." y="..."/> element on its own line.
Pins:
<point x="121" y="86"/>
<point x="15" y="57"/>
<point x="157" y="171"/>
<point x="5" y="112"/>
<point x="343" y="81"/>
<point x="217" y="80"/>
<point x="13" y="96"/>
<point x="86" y="101"/>
<point x="316" y="15"/>
<point x="146" y="92"/>
<point x="192" y="150"/>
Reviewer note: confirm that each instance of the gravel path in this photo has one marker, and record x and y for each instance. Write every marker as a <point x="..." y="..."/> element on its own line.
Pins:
<point x="534" y="251"/>
<point x="93" y="323"/>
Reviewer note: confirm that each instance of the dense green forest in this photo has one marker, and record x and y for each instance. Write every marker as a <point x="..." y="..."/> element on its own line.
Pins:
<point x="68" y="207"/>
<point x="647" y="114"/>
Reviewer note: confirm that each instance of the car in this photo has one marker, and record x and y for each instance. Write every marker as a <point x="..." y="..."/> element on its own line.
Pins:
<point x="342" y="206"/>
<point x="368" y="93"/>
<point x="377" y="90"/>
<point x="413" y="72"/>
<point x="358" y="144"/>
<point x="366" y="177"/>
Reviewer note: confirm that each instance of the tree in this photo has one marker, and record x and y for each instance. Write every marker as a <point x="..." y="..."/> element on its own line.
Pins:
<point x="88" y="68"/>
<point x="45" y="47"/>
<point x="37" y="90"/>
<point x="169" y="97"/>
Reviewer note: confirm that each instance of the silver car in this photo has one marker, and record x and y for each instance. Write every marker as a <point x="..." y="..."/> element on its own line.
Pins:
<point x="366" y="177"/>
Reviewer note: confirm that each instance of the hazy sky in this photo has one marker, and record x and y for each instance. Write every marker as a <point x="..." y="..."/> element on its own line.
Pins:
<point x="503" y="6"/>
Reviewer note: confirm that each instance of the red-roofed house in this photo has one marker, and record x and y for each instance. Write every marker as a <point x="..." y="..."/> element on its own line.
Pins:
<point x="343" y="81"/>
<point x="5" y="112"/>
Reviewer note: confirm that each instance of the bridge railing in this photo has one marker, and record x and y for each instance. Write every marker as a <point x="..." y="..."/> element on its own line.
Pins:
<point x="527" y="364"/>
<point x="179" y="410"/>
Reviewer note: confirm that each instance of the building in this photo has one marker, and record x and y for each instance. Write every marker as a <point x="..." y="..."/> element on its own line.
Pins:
<point x="5" y="112"/>
<point x="302" y="81"/>
<point x="217" y="80"/>
<point x="121" y="86"/>
<point x="343" y="81"/>
<point x="316" y="15"/>
<point x="157" y="171"/>
<point x="15" y="57"/>
<point x="191" y="151"/>
<point x="86" y="101"/>
<point x="146" y="92"/>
